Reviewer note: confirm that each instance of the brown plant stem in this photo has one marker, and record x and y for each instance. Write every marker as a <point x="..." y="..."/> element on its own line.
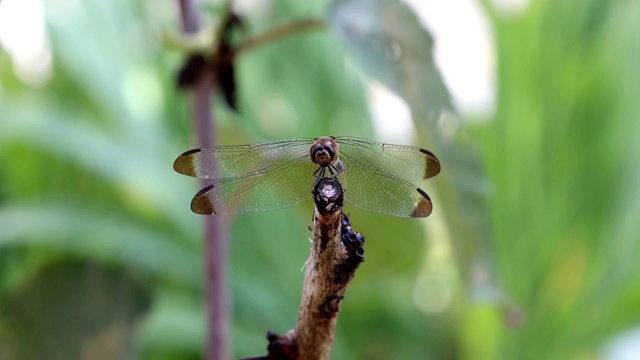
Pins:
<point x="215" y="234"/>
<point x="278" y="32"/>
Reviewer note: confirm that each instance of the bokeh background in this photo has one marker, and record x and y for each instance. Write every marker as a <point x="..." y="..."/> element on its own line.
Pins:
<point x="532" y="249"/>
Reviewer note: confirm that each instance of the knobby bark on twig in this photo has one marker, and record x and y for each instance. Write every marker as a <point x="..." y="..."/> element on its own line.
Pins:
<point x="335" y="255"/>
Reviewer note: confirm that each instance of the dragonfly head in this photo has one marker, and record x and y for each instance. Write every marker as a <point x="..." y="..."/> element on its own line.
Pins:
<point x="324" y="151"/>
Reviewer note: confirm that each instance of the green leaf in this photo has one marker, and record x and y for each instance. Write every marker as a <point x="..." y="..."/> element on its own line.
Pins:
<point x="386" y="37"/>
<point x="98" y="306"/>
<point x="100" y="235"/>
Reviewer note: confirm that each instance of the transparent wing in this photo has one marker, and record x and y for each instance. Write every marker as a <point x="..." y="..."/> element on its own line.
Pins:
<point x="279" y="185"/>
<point x="370" y="189"/>
<point x="230" y="161"/>
<point x="404" y="162"/>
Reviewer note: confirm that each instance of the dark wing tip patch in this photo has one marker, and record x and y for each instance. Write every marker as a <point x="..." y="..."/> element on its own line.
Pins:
<point x="189" y="152"/>
<point x="184" y="163"/>
<point x="432" y="164"/>
<point x="201" y="204"/>
<point x="423" y="207"/>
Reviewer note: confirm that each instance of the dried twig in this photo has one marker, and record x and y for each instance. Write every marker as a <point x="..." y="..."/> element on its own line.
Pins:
<point x="335" y="255"/>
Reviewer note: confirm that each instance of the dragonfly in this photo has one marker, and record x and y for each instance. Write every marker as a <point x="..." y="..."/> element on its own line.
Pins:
<point x="276" y="174"/>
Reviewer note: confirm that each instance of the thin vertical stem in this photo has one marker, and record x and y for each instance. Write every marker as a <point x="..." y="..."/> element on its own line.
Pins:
<point x="215" y="235"/>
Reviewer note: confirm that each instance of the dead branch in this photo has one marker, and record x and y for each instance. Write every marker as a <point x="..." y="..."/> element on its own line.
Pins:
<point x="335" y="255"/>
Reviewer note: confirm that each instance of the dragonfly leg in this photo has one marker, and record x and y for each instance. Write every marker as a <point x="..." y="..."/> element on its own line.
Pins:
<point x="334" y="170"/>
<point x="319" y="175"/>
<point x="338" y="166"/>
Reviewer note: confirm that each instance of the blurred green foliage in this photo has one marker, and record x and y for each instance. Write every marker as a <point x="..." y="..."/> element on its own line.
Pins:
<point x="86" y="178"/>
